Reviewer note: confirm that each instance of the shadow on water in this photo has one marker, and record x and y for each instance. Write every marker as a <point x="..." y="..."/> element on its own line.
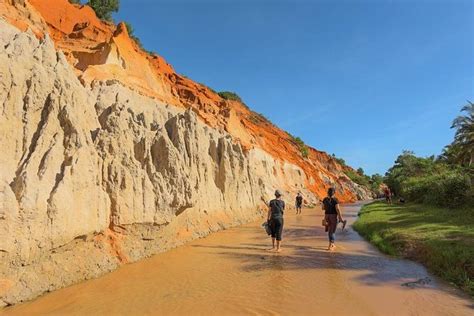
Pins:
<point x="300" y="253"/>
<point x="316" y="258"/>
<point x="259" y="247"/>
<point x="377" y="269"/>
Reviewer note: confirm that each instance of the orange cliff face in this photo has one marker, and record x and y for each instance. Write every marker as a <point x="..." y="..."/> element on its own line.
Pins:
<point x="100" y="50"/>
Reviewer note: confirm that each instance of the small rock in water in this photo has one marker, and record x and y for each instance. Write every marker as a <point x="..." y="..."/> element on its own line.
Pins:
<point x="419" y="282"/>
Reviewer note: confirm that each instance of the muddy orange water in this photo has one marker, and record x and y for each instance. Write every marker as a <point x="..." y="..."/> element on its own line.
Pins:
<point x="230" y="273"/>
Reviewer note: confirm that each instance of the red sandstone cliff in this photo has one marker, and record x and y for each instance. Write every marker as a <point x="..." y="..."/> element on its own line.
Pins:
<point x="109" y="156"/>
<point x="101" y="51"/>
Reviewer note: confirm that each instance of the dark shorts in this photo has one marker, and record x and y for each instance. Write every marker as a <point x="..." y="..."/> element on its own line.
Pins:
<point x="298" y="205"/>
<point x="276" y="227"/>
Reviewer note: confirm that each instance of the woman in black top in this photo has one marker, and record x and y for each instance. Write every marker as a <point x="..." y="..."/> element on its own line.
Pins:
<point x="275" y="219"/>
<point x="332" y="214"/>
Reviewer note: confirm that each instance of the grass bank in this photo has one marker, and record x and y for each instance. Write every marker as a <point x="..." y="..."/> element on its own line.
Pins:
<point x="442" y="239"/>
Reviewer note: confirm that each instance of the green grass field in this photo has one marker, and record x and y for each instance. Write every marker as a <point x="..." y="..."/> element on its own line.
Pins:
<point x="441" y="239"/>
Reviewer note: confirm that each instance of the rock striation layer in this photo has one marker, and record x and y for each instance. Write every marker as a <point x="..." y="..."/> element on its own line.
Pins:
<point x="101" y="51"/>
<point x="92" y="178"/>
<point x="102" y="164"/>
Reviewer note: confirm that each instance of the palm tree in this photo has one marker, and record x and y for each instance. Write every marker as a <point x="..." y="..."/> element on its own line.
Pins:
<point x="462" y="147"/>
<point x="450" y="154"/>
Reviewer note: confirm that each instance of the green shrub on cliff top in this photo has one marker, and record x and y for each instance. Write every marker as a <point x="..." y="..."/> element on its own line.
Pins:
<point x="340" y="161"/>
<point x="228" y="95"/>
<point x="358" y="178"/>
<point x="131" y="33"/>
<point x="301" y="145"/>
<point x="104" y="8"/>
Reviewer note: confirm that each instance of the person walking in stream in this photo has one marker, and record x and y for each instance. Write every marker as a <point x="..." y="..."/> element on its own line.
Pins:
<point x="388" y="195"/>
<point x="298" y="203"/>
<point x="332" y="214"/>
<point x="276" y="208"/>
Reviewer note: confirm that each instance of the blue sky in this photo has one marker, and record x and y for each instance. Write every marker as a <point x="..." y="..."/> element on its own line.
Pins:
<point x="361" y="79"/>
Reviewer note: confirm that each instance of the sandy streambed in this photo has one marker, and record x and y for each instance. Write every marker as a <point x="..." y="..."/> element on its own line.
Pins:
<point x="230" y="272"/>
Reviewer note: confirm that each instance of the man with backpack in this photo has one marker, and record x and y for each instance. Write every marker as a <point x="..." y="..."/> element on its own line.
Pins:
<point x="276" y="208"/>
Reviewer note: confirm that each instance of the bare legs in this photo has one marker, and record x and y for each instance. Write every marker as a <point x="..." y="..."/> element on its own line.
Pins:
<point x="278" y="245"/>
<point x="332" y="245"/>
<point x="276" y="225"/>
<point x="273" y="245"/>
<point x="331" y="219"/>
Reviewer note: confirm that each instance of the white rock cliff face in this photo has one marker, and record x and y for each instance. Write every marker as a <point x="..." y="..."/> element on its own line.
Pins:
<point x="93" y="177"/>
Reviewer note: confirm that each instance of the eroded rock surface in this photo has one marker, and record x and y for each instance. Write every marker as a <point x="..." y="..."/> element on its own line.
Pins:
<point x="109" y="156"/>
<point x="95" y="177"/>
<point x="101" y="51"/>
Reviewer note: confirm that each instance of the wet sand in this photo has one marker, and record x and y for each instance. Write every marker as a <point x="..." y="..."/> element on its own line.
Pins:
<point x="230" y="272"/>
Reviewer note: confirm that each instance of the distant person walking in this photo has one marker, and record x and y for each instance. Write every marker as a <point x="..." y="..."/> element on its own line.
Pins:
<point x="276" y="208"/>
<point x="388" y="195"/>
<point x="332" y="214"/>
<point x="299" y="203"/>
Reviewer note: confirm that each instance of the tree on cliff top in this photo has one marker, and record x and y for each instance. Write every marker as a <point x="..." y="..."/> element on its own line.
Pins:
<point x="104" y="8"/>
